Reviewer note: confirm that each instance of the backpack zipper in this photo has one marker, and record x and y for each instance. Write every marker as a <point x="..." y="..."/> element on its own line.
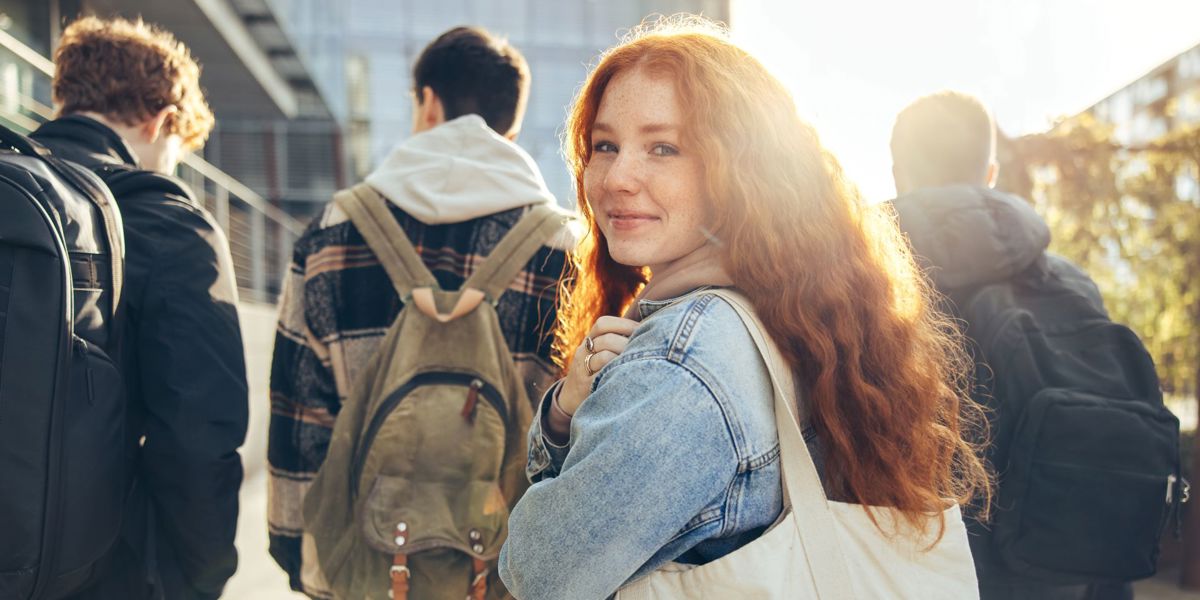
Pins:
<point x="468" y="409"/>
<point x="475" y="385"/>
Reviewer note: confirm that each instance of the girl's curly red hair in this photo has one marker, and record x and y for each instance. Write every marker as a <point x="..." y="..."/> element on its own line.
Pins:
<point x="884" y="373"/>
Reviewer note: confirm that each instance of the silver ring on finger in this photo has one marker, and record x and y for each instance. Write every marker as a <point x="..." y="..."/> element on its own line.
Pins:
<point x="590" y="344"/>
<point x="587" y="364"/>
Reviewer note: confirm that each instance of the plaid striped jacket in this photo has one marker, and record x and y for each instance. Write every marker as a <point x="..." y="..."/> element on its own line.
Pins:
<point x="337" y="304"/>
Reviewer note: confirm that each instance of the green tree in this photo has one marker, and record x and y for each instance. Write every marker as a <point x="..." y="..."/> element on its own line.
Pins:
<point x="1131" y="219"/>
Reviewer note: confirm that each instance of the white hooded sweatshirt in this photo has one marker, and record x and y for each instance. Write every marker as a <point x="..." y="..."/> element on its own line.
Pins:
<point x="458" y="171"/>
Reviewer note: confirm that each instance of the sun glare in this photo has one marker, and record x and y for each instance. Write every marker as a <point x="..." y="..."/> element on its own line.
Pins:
<point x="852" y="65"/>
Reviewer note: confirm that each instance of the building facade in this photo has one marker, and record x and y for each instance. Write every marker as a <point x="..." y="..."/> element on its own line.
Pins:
<point x="1164" y="101"/>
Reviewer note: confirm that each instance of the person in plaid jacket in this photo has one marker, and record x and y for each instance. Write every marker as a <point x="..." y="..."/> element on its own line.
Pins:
<point x="456" y="187"/>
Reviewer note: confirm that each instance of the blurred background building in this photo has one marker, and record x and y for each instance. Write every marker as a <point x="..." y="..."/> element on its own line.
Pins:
<point x="1162" y="102"/>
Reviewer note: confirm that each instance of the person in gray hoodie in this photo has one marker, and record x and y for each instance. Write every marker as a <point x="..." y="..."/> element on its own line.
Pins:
<point x="969" y="236"/>
<point x="456" y="187"/>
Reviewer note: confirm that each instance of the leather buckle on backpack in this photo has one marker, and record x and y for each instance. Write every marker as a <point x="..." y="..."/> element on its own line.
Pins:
<point x="400" y="576"/>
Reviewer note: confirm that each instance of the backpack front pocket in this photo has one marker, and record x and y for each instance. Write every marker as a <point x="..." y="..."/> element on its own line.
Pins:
<point x="403" y="516"/>
<point x="1089" y="487"/>
<point x="96" y="472"/>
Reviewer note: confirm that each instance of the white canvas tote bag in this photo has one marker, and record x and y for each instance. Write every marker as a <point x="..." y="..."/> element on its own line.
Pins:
<point x="818" y="548"/>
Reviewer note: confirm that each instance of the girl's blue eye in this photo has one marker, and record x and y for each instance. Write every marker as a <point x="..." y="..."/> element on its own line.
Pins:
<point x="664" y="150"/>
<point x="604" y="147"/>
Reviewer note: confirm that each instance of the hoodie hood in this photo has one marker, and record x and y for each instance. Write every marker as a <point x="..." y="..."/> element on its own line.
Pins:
<point x="458" y="171"/>
<point x="971" y="235"/>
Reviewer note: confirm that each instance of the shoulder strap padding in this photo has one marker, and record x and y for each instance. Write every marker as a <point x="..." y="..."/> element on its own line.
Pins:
<point x="510" y="256"/>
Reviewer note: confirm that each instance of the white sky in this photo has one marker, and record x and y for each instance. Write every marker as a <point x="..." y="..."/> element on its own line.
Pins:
<point x="853" y="64"/>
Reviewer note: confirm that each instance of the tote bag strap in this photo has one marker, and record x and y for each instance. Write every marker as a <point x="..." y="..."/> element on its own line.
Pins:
<point x="801" y="482"/>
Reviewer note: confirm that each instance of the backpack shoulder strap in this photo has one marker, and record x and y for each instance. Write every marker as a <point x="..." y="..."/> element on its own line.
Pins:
<point x="79" y="177"/>
<point x="384" y="236"/>
<point x="509" y="256"/>
<point x="21" y="143"/>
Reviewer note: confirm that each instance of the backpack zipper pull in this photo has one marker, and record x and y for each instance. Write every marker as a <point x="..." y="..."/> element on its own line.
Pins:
<point x="1179" y="491"/>
<point x="81" y="347"/>
<point x="468" y="409"/>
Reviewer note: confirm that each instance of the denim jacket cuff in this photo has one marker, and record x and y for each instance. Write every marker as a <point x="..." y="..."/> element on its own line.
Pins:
<point x="545" y="457"/>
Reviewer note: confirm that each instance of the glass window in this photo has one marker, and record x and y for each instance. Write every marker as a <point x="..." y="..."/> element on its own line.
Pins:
<point x="428" y="19"/>
<point x="554" y="22"/>
<point x="1189" y="64"/>
<point x="608" y="21"/>
<point x="508" y="18"/>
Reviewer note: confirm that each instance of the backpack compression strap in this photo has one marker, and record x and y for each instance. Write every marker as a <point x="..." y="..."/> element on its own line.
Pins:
<point x="513" y="252"/>
<point x="370" y="215"/>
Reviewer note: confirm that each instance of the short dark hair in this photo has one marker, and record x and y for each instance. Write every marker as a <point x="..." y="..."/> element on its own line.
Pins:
<point x="474" y="72"/>
<point x="944" y="138"/>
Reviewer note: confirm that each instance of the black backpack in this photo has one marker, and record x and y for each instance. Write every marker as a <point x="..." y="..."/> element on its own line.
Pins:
<point x="65" y="462"/>
<point x="1086" y="454"/>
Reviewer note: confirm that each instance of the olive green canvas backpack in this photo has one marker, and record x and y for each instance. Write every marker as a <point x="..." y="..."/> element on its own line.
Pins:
<point x="428" y="451"/>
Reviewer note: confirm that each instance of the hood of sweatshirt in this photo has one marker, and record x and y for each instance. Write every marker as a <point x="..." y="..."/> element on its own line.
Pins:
<point x="971" y="235"/>
<point x="458" y="171"/>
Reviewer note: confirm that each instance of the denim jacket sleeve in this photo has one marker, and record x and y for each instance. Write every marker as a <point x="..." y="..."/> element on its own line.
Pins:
<point x="545" y="457"/>
<point x="649" y="450"/>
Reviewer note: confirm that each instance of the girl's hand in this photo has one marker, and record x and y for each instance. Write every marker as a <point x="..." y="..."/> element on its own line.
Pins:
<point x="607" y="339"/>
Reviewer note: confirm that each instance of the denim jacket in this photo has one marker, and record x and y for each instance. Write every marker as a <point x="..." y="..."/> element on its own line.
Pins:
<point x="674" y="456"/>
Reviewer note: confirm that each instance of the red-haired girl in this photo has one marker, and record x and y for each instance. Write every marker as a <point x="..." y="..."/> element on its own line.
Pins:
<point x="660" y="444"/>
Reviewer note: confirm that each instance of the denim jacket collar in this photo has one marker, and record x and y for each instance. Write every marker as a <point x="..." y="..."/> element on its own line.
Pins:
<point x="645" y="308"/>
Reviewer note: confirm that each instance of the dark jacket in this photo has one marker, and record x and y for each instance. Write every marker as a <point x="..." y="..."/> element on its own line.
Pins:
<point x="965" y="237"/>
<point x="185" y="373"/>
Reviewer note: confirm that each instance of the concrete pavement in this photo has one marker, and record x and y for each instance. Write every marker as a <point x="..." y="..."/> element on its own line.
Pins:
<point x="257" y="577"/>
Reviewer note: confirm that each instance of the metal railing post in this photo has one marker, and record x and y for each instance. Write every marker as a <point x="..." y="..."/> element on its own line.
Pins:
<point x="221" y="209"/>
<point x="258" y="256"/>
<point x="284" y="242"/>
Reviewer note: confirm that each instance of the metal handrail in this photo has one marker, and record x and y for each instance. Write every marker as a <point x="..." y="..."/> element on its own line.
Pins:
<point x="30" y="55"/>
<point x="243" y="193"/>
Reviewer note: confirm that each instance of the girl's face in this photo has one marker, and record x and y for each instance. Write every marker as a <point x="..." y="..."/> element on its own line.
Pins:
<point x="642" y="183"/>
